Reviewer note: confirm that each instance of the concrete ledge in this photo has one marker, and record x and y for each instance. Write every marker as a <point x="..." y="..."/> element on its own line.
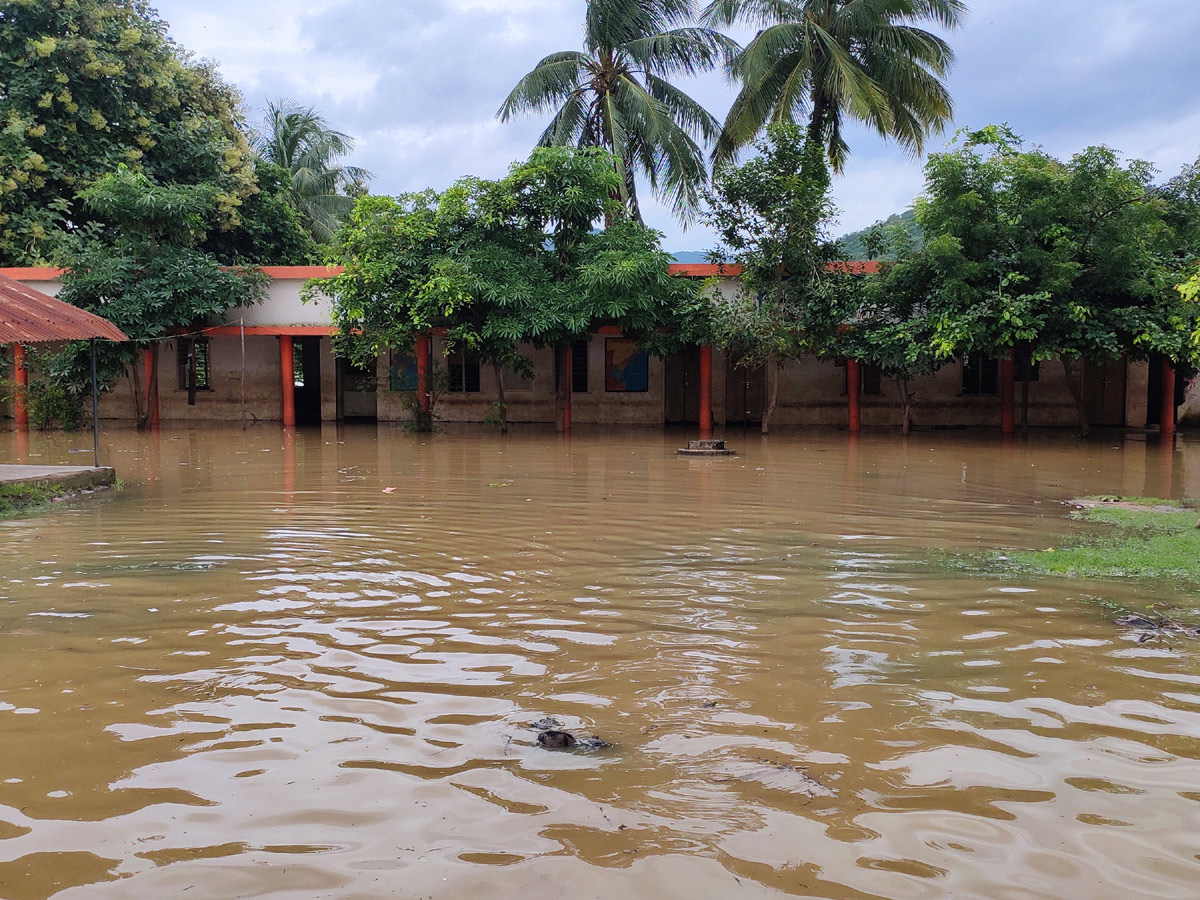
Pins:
<point x="62" y="478"/>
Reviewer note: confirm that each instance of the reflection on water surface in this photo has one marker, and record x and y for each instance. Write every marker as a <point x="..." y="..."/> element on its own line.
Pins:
<point x="260" y="671"/>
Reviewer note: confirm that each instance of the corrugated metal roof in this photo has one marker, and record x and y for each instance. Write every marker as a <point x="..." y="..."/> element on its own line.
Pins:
<point x="30" y="317"/>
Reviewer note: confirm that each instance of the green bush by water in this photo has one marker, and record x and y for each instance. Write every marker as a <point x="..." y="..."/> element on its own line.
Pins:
<point x="1141" y="538"/>
<point x="23" y="499"/>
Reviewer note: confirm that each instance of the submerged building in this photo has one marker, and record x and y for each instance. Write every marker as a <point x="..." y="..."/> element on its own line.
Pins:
<point x="275" y="363"/>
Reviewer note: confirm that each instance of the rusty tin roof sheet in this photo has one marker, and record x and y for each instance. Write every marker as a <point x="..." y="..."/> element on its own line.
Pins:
<point x="28" y="316"/>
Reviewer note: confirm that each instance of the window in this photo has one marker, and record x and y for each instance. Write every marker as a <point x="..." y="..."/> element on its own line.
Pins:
<point x="402" y="371"/>
<point x="194" y="351"/>
<point x="872" y="381"/>
<point x="463" y="369"/>
<point x="980" y="375"/>
<point x="870" y="378"/>
<point x="298" y="364"/>
<point x="1026" y="368"/>
<point x="579" y="367"/>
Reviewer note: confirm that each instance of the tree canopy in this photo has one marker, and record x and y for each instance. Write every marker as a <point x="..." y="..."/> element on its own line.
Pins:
<point x="89" y="85"/>
<point x="772" y="216"/>
<point x="617" y="94"/>
<point x="829" y="60"/>
<point x="320" y="186"/>
<point x="1074" y="259"/>
<point x="501" y="263"/>
<point x="141" y="268"/>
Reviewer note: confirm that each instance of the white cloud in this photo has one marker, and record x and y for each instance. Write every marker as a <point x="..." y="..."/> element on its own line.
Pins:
<point x="417" y="81"/>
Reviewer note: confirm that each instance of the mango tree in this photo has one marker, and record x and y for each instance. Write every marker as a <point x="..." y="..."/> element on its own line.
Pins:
<point x="139" y="266"/>
<point x="500" y="263"/>
<point x="1075" y="259"/>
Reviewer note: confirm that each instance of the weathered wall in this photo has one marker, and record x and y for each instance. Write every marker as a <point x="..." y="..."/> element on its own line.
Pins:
<point x="1189" y="412"/>
<point x="536" y="403"/>
<point x="811" y="392"/>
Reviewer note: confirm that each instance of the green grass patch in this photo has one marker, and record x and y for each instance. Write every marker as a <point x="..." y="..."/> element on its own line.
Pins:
<point x="1138" y="538"/>
<point x="24" y="499"/>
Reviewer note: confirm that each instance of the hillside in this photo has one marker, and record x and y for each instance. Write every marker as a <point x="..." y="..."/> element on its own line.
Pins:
<point x="854" y="243"/>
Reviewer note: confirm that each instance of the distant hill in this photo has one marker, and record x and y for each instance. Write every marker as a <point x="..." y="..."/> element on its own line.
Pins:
<point x="690" y="256"/>
<point x="854" y="243"/>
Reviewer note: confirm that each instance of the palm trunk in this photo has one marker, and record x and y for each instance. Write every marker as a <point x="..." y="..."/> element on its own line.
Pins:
<point x="1075" y="384"/>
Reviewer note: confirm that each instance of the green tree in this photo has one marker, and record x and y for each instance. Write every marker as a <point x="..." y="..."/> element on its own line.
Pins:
<point x="92" y="84"/>
<point x="1076" y="259"/>
<point x="322" y="187"/>
<point x="140" y="268"/>
<point x="617" y="94"/>
<point x="501" y="263"/>
<point x="269" y="232"/>
<point x="827" y="60"/>
<point x="772" y="216"/>
<point x="893" y="329"/>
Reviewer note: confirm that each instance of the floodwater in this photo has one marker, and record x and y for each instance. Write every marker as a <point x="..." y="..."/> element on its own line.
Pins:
<point x="306" y="668"/>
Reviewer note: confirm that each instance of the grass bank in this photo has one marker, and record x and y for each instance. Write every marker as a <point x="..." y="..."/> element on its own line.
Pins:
<point x="25" y="499"/>
<point x="1139" y="537"/>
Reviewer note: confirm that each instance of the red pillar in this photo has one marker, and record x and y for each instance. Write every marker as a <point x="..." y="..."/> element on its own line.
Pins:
<point x="1168" y="398"/>
<point x="854" y="394"/>
<point x="287" y="375"/>
<point x="423" y="353"/>
<point x="706" y="416"/>
<point x="21" y="380"/>
<point x="150" y="378"/>
<point x="1008" y="380"/>
<point x="568" y="386"/>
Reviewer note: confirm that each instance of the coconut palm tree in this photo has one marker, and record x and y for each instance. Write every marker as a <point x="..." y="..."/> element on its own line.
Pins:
<point x="300" y="140"/>
<point x="617" y="94"/>
<point x="832" y="59"/>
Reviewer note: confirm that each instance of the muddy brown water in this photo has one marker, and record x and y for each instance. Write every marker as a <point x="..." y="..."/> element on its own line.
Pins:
<point x="305" y="669"/>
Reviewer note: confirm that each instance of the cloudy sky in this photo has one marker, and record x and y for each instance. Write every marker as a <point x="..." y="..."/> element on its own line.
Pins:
<point x="418" y="82"/>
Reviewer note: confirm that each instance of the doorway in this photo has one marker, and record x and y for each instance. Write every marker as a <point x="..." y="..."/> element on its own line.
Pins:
<point x="745" y="394"/>
<point x="1154" y="391"/>
<point x="306" y="360"/>
<point x="357" y="400"/>
<point x="682" y="383"/>
<point x="1104" y="392"/>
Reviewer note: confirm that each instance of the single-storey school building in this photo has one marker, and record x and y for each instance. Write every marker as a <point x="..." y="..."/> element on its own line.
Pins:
<point x="275" y="363"/>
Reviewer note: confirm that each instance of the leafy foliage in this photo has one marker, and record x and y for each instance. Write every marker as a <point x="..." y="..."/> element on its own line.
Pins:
<point x="617" y="94"/>
<point x="1077" y="259"/>
<point x="832" y="59"/>
<point x="89" y="85"/>
<point x="320" y="187"/>
<point x="270" y="232"/>
<point x="883" y="239"/>
<point x="50" y="399"/>
<point x="140" y="267"/>
<point x="772" y="216"/>
<point x="499" y="263"/>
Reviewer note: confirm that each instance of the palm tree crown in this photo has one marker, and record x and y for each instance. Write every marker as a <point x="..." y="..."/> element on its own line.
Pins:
<point x="617" y="94"/>
<point x="300" y="140"/>
<point x="828" y="59"/>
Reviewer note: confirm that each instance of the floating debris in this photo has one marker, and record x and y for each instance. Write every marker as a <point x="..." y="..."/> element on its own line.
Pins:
<point x="564" y="740"/>
<point x="778" y="777"/>
<point x="1161" y="627"/>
